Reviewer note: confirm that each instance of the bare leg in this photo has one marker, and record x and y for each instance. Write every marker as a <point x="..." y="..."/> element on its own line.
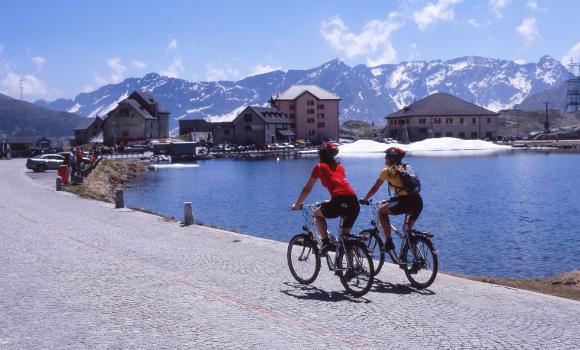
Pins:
<point x="321" y="223"/>
<point x="385" y="221"/>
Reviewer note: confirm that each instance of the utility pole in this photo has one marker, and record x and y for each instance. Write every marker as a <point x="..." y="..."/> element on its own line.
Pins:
<point x="546" y="123"/>
<point x="21" y="89"/>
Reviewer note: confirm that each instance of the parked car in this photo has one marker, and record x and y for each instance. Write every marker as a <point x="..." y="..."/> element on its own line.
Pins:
<point x="44" y="162"/>
<point x="389" y="140"/>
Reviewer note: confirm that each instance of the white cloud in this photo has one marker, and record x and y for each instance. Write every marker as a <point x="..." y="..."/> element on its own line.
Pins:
<point x="261" y="69"/>
<point x="474" y="23"/>
<point x="172" y="44"/>
<point x="175" y="68"/>
<point x="414" y="54"/>
<point x="214" y="73"/>
<point x="100" y="80"/>
<point x="116" y="64"/>
<point x="375" y="37"/>
<point x="440" y="11"/>
<point x="573" y="54"/>
<point x="138" y="64"/>
<point x="33" y="87"/>
<point x="39" y="61"/>
<point x="528" y="29"/>
<point x="497" y="6"/>
<point x="1" y="48"/>
<point x="533" y="5"/>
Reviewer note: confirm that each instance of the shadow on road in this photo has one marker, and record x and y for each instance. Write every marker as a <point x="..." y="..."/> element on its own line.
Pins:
<point x="300" y="291"/>
<point x="386" y="287"/>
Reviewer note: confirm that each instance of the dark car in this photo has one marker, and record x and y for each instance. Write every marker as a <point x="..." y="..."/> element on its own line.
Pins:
<point x="44" y="162"/>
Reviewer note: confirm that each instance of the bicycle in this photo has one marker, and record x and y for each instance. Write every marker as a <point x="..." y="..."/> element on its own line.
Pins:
<point x="417" y="255"/>
<point x="352" y="261"/>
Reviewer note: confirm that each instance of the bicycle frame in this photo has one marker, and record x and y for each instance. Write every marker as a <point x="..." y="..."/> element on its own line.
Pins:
<point x="311" y="229"/>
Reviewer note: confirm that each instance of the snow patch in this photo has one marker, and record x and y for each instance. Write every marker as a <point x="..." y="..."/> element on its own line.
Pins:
<point x="74" y="108"/>
<point x="228" y="117"/>
<point x="458" y="66"/>
<point x="495" y="105"/>
<point x="195" y="110"/>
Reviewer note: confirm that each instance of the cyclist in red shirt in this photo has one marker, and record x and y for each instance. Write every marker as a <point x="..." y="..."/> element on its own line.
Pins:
<point x="343" y="202"/>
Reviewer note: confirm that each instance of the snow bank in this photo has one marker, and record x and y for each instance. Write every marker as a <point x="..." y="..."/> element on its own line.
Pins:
<point x="435" y="146"/>
<point x="172" y="166"/>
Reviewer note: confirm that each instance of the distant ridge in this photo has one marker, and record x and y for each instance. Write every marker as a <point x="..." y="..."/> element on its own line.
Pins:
<point x="367" y="93"/>
<point x="20" y="118"/>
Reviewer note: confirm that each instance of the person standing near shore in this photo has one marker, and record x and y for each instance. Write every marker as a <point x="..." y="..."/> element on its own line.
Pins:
<point x="343" y="200"/>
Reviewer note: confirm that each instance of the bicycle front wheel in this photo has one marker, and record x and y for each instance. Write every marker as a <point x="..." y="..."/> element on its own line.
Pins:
<point x="421" y="267"/>
<point x="374" y="244"/>
<point x="357" y="266"/>
<point x="303" y="259"/>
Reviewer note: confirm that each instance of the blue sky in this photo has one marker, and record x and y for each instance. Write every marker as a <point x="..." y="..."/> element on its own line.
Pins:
<point x="62" y="48"/>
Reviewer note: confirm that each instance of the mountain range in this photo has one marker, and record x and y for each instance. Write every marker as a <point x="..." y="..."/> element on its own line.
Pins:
<point x="21" y="118"/>
<point x="367" y="93"/>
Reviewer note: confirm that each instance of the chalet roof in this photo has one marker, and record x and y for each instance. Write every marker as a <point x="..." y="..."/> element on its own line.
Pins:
<point x="149" y="99"/>
<point x="296" y="90"/>
<point x="198" y="124"/>
<point x="137" y="107"/>
<point x="270" y="115"/>
<point x="86" y="123"/>
<point x="441" y="104"/>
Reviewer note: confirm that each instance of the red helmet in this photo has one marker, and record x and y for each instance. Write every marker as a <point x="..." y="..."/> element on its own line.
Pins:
<point x="395" y="152"/>
<point x="329" y="148"/>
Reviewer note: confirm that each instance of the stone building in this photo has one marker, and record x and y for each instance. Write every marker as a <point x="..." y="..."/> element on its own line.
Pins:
<point x="220" y="132"/>
<point x="313" y="111"/>
<point x="137" y="118"/>
<point x="262" y="125"/>
<point x="87" y="130"/>
<point x="441" y="115"/>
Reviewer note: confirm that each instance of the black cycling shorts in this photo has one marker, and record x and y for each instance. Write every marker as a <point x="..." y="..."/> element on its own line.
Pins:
<point x="411" y="204"/>
<point x="345" y="206"/>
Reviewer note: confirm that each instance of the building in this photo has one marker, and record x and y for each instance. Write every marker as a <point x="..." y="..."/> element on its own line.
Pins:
<point x="28" y="146"/>
<point x="87" y="130"/>
<point x="441" y="115"/>
<point x="313" y="111"/>
<point x="137" y="118"/>
<point x="262" y="125"/>
<point x="222" y="132"/>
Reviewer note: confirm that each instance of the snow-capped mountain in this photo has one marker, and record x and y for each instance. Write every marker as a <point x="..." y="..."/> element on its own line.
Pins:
<point x="367" y="92"/>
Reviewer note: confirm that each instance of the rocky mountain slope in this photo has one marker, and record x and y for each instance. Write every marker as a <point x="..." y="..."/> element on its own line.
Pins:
<point x="368" y="93"/>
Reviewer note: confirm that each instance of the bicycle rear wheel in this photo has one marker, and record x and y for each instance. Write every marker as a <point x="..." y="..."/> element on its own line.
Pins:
<point x="420" y="270"/>
<point x="357" y="277"/>
<point x="374" y="244"/>
<point x="303" y="259"/>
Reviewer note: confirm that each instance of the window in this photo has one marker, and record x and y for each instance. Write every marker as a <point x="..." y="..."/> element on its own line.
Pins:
<point x="248" y="128"/>
<point x="462" y="135"/>
<point x="310" y="120"/>
<point x="437" y="134"/>
<point x="321" y="125"/>
<point x="311" y="132"/>
<point x="448" y="120"/>
<point x="474" y="135"/>
<point x="489" y="120"/>
<point x="401" y="122"/>
<point x="310" y="103"/>
<point x="488" y="135"/>
<point x="449" y="134"/>
<point x="321" y="115"/>
<point x="310" y="111"/>
<point x="292" y="107"/>
<point x="408" y="121"/>
<point x="226" y="131"/>
<point x="422" y="121"/>
<point x="460" y="120"/>
<point x="248" y="117"/>
<point x="422" y="130"/>
<point x="320" y="106"/>
<point x="437" y="120"/>
<point x="474" y="120"/>
<point x="292" y="116"/>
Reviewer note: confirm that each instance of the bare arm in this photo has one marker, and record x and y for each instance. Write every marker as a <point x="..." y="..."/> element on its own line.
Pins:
<point x="305" y="191"/>
<point x="373" y="189"/>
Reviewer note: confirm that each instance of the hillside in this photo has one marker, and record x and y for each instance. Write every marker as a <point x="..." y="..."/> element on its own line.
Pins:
<point x="367" y="93"/>
<point x="519" y="122"/>
<point x="20" y="118"/>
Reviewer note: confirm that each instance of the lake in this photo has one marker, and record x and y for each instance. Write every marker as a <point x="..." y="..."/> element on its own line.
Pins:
<point x="509" y="214"/>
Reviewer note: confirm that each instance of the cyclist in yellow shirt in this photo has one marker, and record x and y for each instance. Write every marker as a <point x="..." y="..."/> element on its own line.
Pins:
<point x="406" y="200"/>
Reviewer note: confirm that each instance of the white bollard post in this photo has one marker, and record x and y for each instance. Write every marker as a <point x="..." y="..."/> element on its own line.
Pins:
<point x="187" y="214"/>
<point x="58" y="183"/>
<point x="119" y="201"/>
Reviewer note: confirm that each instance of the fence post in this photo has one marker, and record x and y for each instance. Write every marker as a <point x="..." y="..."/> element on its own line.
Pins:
<point x="187" y="214"/>
<point x="58" y="183"/>
<point x="119" y="201"/>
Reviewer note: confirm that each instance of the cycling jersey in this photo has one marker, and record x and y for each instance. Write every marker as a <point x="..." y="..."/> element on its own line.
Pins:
<point x="391" y="174"/>
<point x="334" y="180"/>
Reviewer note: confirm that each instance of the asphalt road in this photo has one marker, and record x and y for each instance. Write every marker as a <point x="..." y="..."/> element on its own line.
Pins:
<point x="78" y="274"/>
